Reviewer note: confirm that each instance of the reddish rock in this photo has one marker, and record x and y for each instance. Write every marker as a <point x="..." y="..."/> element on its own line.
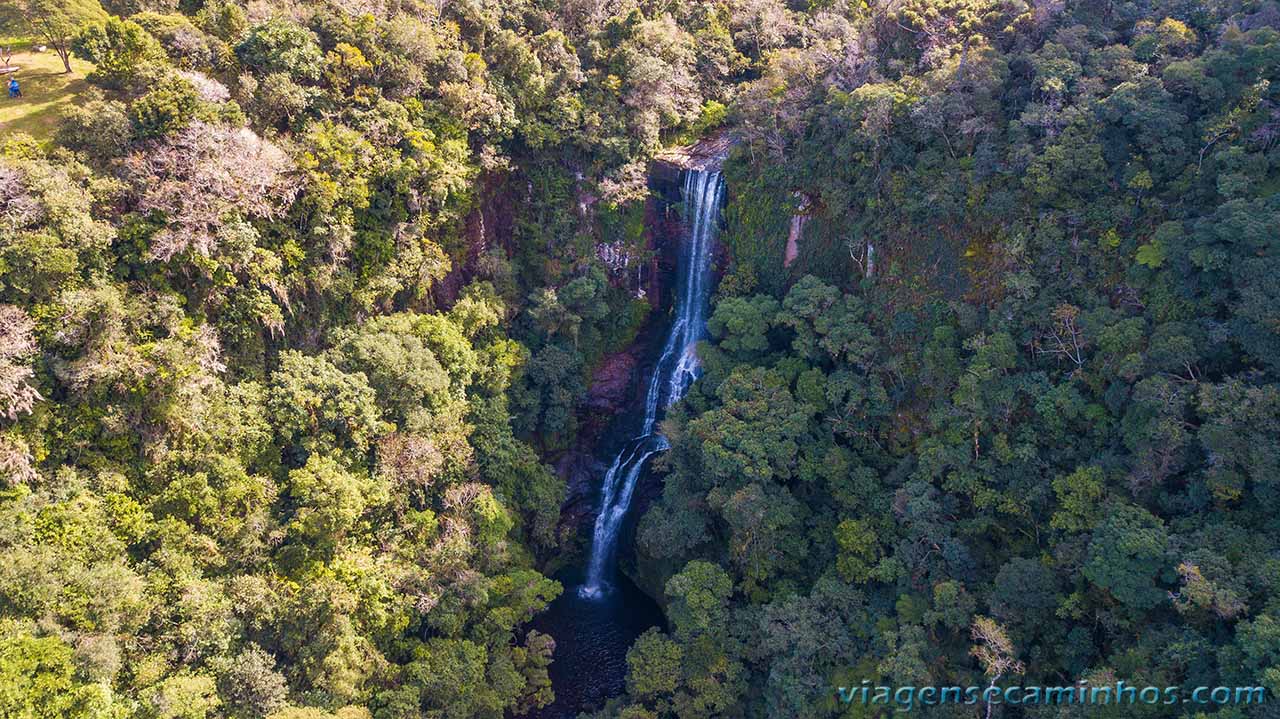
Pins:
<point x="612" y="383"/>
<point x="490" y="222"/>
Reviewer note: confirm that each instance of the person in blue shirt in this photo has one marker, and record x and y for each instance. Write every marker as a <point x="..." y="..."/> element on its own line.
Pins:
<point x="15" y="90"/>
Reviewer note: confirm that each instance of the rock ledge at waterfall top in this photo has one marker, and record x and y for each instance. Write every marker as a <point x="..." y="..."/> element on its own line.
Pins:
<point x="708" y="153"/>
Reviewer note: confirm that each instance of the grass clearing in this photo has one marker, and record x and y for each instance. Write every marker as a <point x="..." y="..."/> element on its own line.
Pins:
<point x="46" y="89"/>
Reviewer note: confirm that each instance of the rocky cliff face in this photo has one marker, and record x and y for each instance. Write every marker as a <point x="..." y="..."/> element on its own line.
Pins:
<point x="708" y="153"/>
<point x="612" y="388"/>
<point x="489" y="223"/>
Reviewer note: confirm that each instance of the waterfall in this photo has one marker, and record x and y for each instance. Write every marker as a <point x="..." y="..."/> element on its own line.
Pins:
<point x="675" y="371"/>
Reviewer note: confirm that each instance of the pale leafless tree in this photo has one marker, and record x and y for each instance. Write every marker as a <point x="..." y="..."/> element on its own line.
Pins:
<point x="1199" y="591"/>
<point x="205" y="175"/>
<point x="1064" y="337"/>
<point x="409" y="462"/>
<point x="17" y="344"/>
<point x="994" y="651"/>
<point x="764" y="24"/>
<point x="16" y="463"/>
<point x="18" y="207"/>
<point x="459" y="497"/>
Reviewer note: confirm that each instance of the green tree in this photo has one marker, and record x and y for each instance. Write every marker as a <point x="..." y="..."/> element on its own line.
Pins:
<point x="184" y="696"/>
<point x="1080" y="497"/>
<point x="281" y="45"/>
<point x="699" y="597"/>
<point x="859" y="550"/>
<point x="1127" y="554"/>
<point x="38" y="679"/>
<point x="653" y="666"/>
<point x="329" y="502"/>
<point x="316" y="405"/>
<point x="741" y="325"/>
<point x="56" y="21"/>
<point x="167" y="108"/>
<point x="755" y="433"/>
<point x="398" y="362"/>
<point x="120" y="50"/>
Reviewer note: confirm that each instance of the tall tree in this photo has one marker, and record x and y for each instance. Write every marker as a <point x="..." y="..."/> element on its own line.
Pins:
<point x="57" y="21"/>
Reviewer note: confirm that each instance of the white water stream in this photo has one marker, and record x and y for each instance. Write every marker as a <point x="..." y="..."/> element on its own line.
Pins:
<point x="675" y="371"/>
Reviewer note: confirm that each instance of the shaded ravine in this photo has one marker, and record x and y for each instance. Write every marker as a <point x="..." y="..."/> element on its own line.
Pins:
<point x="601" y="612"/>
<point x="676" y="369"/>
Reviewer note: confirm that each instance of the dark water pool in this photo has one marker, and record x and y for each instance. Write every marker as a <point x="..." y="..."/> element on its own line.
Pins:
<point x="592" y="637"/>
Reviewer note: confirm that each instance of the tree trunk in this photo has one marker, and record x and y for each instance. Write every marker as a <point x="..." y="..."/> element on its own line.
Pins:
<point x="65" y="54"/>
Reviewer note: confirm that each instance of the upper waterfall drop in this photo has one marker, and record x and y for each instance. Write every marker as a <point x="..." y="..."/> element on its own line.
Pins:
<point x="677" y="368"/>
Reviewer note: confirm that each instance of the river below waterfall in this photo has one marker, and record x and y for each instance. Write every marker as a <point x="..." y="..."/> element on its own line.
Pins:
<point x="601" y="612"/>
<point x="592" y="637"/>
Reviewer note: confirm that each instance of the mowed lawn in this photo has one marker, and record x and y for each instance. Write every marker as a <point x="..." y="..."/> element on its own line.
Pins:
<point x="46" y="89"/>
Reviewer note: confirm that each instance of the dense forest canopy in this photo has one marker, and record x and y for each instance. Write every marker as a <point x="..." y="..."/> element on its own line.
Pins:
<point x="300" y="300"/>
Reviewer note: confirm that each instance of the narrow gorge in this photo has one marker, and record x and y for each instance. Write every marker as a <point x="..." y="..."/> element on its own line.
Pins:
<point x="602" y="611"/>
